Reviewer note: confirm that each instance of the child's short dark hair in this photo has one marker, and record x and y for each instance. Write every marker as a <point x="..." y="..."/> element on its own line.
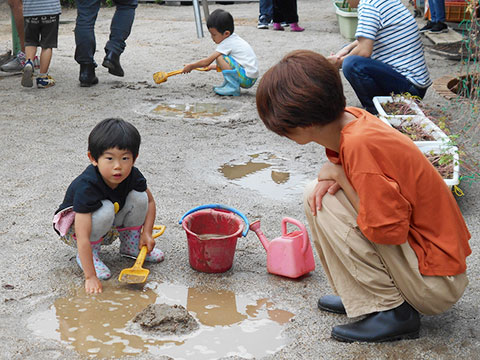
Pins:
<point x="113" y="133"/>
<point x="303" y="89"/>
<point x="221" y="20"/>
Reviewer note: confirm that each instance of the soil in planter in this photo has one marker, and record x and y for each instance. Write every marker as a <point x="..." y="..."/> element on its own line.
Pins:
<point x="397" y="108"/>
<point x="443" y="163"/>
<point x="414" y="131"/>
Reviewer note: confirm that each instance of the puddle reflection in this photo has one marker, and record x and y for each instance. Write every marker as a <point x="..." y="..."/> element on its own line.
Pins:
<point x="193" y="111"/>
<point x="100" y="325"/>
<point x="264" y="173"/>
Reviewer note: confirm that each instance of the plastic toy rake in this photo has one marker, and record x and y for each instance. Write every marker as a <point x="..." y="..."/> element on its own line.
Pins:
<point x="161" y="76"/>
<point x="137" y="274"/>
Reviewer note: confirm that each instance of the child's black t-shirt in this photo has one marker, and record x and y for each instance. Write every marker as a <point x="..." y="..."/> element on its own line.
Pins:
<point x="86" y="192"/>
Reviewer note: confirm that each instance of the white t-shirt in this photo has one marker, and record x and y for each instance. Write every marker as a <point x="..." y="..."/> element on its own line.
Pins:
<point x="242" y="52"/>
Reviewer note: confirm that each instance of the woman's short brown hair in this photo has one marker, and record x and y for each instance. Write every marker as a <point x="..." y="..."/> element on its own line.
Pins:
<point x="303" y="89"/>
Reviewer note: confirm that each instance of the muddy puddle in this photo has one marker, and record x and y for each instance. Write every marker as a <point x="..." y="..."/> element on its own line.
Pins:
<point x="267" y="174"/>
<point x="100" y="326"/>
<point x="191" y="111"/>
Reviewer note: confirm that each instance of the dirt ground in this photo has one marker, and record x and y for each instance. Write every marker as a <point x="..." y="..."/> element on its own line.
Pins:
<point x="43" y="141"/>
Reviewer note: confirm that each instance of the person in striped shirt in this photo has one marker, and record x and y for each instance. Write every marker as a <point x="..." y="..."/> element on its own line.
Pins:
<point x="387" y="55"/>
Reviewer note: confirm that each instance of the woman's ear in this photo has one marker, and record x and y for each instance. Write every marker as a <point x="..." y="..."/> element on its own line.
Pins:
<point x="92" y="159"/>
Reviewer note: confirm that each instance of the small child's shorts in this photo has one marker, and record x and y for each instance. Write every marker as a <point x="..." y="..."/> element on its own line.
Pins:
<point x="64" y="224"/>
<point x="41" y="31"/>
<point x="245" y="81"/>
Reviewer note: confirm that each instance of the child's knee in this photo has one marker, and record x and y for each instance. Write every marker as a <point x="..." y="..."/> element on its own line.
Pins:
<point x="102" y="220"/>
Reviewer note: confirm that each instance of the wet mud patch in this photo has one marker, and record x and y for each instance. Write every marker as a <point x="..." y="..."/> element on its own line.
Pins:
<point x="102" y="326"/>
<point x="166" y="319"/>
<point x="194" y="110"/>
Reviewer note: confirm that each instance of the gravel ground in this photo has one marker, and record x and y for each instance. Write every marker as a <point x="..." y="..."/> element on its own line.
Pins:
<point x="44" y="135"/>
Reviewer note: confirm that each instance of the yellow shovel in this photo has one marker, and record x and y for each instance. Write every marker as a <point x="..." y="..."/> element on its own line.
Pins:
<point x="161" y="76"/>
<point x="137" y="274"/>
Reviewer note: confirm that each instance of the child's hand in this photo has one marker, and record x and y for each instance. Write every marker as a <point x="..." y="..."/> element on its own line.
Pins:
<point x="147" y="240"/>
<point x="93" y="285"/>
<point x="187" y="68"/>
<point x="212" y="67"/>
<point x="335" y="60"/>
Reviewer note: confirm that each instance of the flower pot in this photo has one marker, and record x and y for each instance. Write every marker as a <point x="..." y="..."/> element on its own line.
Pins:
<point x="425" y="126"/>
<point x="347" y="21"/>
<point x="379" y="101"/>
<point x="453" y="151"/>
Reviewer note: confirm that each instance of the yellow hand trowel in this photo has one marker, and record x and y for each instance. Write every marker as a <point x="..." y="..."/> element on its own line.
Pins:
<point x="161" y="76"/>
<point x="137" y="274"/>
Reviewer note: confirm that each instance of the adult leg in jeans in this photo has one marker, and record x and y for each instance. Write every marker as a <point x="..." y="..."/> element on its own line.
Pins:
<point x="266" y="10"/>
<point x="87" y="11"/>
<point x="437" y="10"/>
<point x="370" y="78"/>
<point x="121" y="25"/>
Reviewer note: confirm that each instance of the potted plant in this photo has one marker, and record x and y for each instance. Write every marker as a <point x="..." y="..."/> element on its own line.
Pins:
<point x="347" y="18"/>
<point x="397" y="105"/>
<point x="445" y="159"/>
<point x="419" y="129"/>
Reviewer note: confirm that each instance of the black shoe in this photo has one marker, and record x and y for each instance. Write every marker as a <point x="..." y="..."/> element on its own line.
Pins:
<point x="403" y="322"/>
<point x="331" y="303"/>
<point x="427" y="27"/>
<point x="112" y="63"/>
<point x="439" y="27"/>
<point x="87" y="75"/>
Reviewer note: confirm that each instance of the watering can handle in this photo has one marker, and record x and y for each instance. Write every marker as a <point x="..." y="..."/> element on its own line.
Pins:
<point x="221" y="207"/>
<point x="298" y="224"/>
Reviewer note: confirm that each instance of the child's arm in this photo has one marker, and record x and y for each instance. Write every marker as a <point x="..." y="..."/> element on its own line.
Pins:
<point x="83" y="229"/>
<point x="146" y="237"/>
<point x="201" y="63"/>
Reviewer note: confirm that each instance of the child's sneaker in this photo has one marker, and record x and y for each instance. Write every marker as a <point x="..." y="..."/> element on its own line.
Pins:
<point x="27" y="76"/>
<point x="45" y="81"/>
<point x="36" y="62"/>
<point x="277" y="27"/>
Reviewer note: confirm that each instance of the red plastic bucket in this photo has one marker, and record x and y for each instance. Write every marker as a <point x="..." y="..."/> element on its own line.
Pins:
<point x="212" y="237"/>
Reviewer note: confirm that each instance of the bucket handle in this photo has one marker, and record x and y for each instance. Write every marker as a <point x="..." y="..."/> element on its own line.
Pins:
<point x="220" y="207"/>
<point x="302" y="228"/>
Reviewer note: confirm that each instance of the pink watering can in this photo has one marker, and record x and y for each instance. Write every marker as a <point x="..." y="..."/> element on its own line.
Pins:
<point x="291" y="254"/>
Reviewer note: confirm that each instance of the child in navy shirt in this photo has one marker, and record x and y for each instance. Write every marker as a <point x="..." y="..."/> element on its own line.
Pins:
<point x="109" y="199"/>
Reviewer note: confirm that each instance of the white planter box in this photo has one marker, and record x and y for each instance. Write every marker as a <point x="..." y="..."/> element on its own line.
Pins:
<point x="454" y="180"/>
<point x="440" y="138"/>
<point x="379" y="100"/>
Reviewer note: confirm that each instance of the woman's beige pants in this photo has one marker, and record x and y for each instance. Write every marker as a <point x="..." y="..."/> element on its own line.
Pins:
<point x="370" y="277"/>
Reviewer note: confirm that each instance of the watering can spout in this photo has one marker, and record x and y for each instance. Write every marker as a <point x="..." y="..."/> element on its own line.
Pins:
<point x="255" y="226"/>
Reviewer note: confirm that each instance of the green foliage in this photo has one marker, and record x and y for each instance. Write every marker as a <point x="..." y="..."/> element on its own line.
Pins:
<point x="71" y="3"/>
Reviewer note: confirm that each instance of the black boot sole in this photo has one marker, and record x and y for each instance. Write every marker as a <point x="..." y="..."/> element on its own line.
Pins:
<point x="89" y="83"/>
<point x="409" y="336"/>
<point x="112" y="69"/>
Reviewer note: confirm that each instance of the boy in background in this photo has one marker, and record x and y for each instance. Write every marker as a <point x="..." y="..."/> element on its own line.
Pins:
<point x="233" y="56"/>
<point x="370" y="210"/>
<point x="41" y="19"/>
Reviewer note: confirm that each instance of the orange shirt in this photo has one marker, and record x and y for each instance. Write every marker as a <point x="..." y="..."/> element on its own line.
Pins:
<point x="402" y="196"/>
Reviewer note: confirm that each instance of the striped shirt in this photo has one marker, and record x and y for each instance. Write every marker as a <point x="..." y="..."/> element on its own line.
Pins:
<point x="41" y="7"/>
<point x="396" y="38"/>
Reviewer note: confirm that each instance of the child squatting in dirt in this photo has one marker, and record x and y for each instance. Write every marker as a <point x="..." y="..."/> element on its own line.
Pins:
<point x="109" y="199"/>
<point x="233" y="55"/>
<point x="387" y="229"/>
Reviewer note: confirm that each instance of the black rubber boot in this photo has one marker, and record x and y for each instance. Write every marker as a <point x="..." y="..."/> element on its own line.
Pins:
<point x="87" y="75"/>
<point x="112" y="63"/>
<point x="403" y="322"/>
<point x="331" y="303"/>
